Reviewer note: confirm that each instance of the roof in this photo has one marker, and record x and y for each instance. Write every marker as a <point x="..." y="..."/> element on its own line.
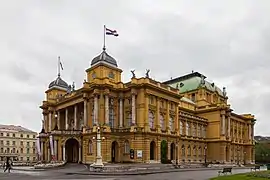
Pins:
<point x="104" y="57"/>
<point x="191" y="82"/>
<point x="59" y="82"/>
<point x="187" y="100"/>
<point x="13" y="128"/>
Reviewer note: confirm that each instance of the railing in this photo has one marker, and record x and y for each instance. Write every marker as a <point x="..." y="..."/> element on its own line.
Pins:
<point x="71" y="132"/>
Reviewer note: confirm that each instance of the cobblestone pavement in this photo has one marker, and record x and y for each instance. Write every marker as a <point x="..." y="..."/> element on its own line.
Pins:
<point x="62" y="174"/>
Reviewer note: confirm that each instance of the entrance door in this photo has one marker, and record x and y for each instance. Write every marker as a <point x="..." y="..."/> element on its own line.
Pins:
<point x="172" y="151"/>
<point x="164" y="151"/>
<point x="114" y="151"/>
<point x="152" y="150"/>
<point x="72" y="150"/>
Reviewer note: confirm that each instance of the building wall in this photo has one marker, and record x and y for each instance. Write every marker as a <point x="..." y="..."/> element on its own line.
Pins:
<point x="18" y="145"/>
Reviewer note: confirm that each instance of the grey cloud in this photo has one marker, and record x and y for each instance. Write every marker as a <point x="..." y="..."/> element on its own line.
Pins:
<point x="228" y="41"/>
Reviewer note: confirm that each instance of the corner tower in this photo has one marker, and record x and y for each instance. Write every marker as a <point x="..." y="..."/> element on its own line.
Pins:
<point x="104" y="66"/>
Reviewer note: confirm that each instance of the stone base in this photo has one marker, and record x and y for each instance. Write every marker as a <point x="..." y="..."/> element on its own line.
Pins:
<point x="49" y="165"/>
<point x="97" y="164"/>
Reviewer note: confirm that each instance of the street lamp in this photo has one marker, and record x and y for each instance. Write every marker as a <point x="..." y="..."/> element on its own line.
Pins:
<point x="56" y="126"/>
<point x="98" y="163"/>
<point x="205" y="149"/>
<point x="245" y="157"/>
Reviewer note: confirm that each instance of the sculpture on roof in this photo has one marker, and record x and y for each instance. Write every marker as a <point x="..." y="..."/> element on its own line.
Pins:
<point x="202" y="79"/>
<point x="133" y="73"/>
<point x="177" y="86"/>
<point x="147" y="73"/>
<point x="73" y="86"/>
<point x="224" y="92"/>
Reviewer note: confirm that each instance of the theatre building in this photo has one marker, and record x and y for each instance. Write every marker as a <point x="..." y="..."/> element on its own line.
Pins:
<point x="186" y="119"/>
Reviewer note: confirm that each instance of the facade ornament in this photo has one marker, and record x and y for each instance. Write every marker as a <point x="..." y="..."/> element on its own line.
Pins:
<point x="133" y="73"/>
<point x="224" y="92"/>
<point x="202" y="80"/>
<point x="73" y="86"/>
<point x="69" y="89"/>
<point x="147" y="73"/>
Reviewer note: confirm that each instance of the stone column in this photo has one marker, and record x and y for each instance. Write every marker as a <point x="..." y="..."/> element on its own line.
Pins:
<point x="133" y="109"/>
<point x="58" y="119"/>
<point x="106" y="109"/>
<point x="223" y="124"/>
<point x="121" y="112"/>
<point x="85" y="112"/>
<point x="80" y="158"/>
<point x="55" y="149"/>
<point x="42" y="151"/>
<point x="229" y="126"/>
<point x="75" y="117"/>
<point x="95" y="109"/>
<point x="66" y="119"/>
<point x="249" y="132"/>
<point x="64" y="153"/>
<point x="50" y="121"/>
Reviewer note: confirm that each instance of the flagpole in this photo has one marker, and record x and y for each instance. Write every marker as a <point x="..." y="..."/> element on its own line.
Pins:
<point x="104" y="36"/>
<point x="58" y="66"/>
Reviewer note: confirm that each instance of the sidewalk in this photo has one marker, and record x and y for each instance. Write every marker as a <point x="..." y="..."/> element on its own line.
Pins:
<point x="131" y="171"/>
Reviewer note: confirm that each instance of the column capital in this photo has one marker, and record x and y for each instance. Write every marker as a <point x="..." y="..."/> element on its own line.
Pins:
<point x="133" y="92"/>
<point x="106" y="92"/>
<point x="96" y="92"/>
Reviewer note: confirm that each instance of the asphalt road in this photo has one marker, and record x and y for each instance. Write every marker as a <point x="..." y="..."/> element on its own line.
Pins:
<point x="61" y="175"/>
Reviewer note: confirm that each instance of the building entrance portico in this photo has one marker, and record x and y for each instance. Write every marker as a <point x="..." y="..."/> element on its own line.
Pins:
<point x="72" y="150"/>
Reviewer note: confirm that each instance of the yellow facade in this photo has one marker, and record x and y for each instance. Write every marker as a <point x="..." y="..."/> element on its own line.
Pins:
<point x="192" y="125"/>
<point x="18" y="143"/>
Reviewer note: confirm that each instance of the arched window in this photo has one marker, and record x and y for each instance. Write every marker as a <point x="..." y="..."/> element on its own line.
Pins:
<point x="126" y="147"/>
<point x="199" y="131"/>
<point x="129" y="119"/>
<point x="200" y="151"/>
<point x="194" y="151"/>
<point x="111" y="113"/>
<point x="162" y="122"/>
<point x="189" y="151"/>
<point x="171" y="123"/>
<point x="90" y="147"/>
<point x="181" y="127"/>
<point x="151" y="119"/>
<point x="183" y="150"/>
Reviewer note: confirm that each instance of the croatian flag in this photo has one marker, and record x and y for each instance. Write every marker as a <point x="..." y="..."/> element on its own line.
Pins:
<point x="111" y="32"/>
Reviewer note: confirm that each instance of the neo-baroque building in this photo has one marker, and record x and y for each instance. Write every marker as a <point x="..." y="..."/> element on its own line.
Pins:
<point x="186" y="119"/>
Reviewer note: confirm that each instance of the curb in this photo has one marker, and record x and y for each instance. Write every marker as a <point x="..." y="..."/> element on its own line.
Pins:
<point x="145" y="172"/>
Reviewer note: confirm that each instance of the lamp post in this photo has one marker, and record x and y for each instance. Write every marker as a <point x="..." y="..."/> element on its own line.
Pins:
<point x="205" y="149"/>
<point x="98" y="163"/>
<point x="245" y="157"/>
<point x="177" y="152"/>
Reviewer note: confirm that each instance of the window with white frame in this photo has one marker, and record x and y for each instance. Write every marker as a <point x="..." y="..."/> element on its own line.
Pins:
<point x="181" y="127"/>
<point x="194" y="129"/>
<point x="204" y="131"/>
<point x="90" y="147"/>
<point x="126" y="147"/>
<point x="129" y="119"/>
<point x="171" y="123"/>
<point x="187" y="129"/>
<point x="189" y="151"/>
<point x="162" y="122"/>
<point x="199" y="131"/>
<point x="151" y="119"/>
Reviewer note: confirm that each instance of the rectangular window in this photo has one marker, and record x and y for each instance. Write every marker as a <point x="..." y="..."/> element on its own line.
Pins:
<point x="13" y="143"/>
<point x="193" y="97"/>
<point x="13" y="135"/>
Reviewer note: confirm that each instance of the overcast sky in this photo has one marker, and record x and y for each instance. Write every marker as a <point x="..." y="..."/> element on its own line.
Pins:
<point x="228" y="41"/>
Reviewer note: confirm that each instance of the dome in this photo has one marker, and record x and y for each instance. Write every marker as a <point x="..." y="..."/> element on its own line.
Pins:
<point x="59" y="82"/>
<point x="104" y="57"/>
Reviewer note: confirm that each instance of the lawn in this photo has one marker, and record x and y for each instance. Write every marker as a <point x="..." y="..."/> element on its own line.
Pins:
<point x="246" y="176"/>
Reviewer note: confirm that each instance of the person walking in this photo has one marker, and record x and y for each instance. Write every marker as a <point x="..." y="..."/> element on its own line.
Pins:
<point x="8" y="165"/>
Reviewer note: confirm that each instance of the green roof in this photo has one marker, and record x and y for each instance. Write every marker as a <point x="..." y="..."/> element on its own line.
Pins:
<point x="192" y="82"/>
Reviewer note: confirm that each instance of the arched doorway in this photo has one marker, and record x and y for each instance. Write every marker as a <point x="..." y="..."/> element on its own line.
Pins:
<point x="114" y="152"/>
<point x="164" y="151"/>
<point x="172" y="151"/>
<point x="72" y="150"/>
<point x="152" y="150"/>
